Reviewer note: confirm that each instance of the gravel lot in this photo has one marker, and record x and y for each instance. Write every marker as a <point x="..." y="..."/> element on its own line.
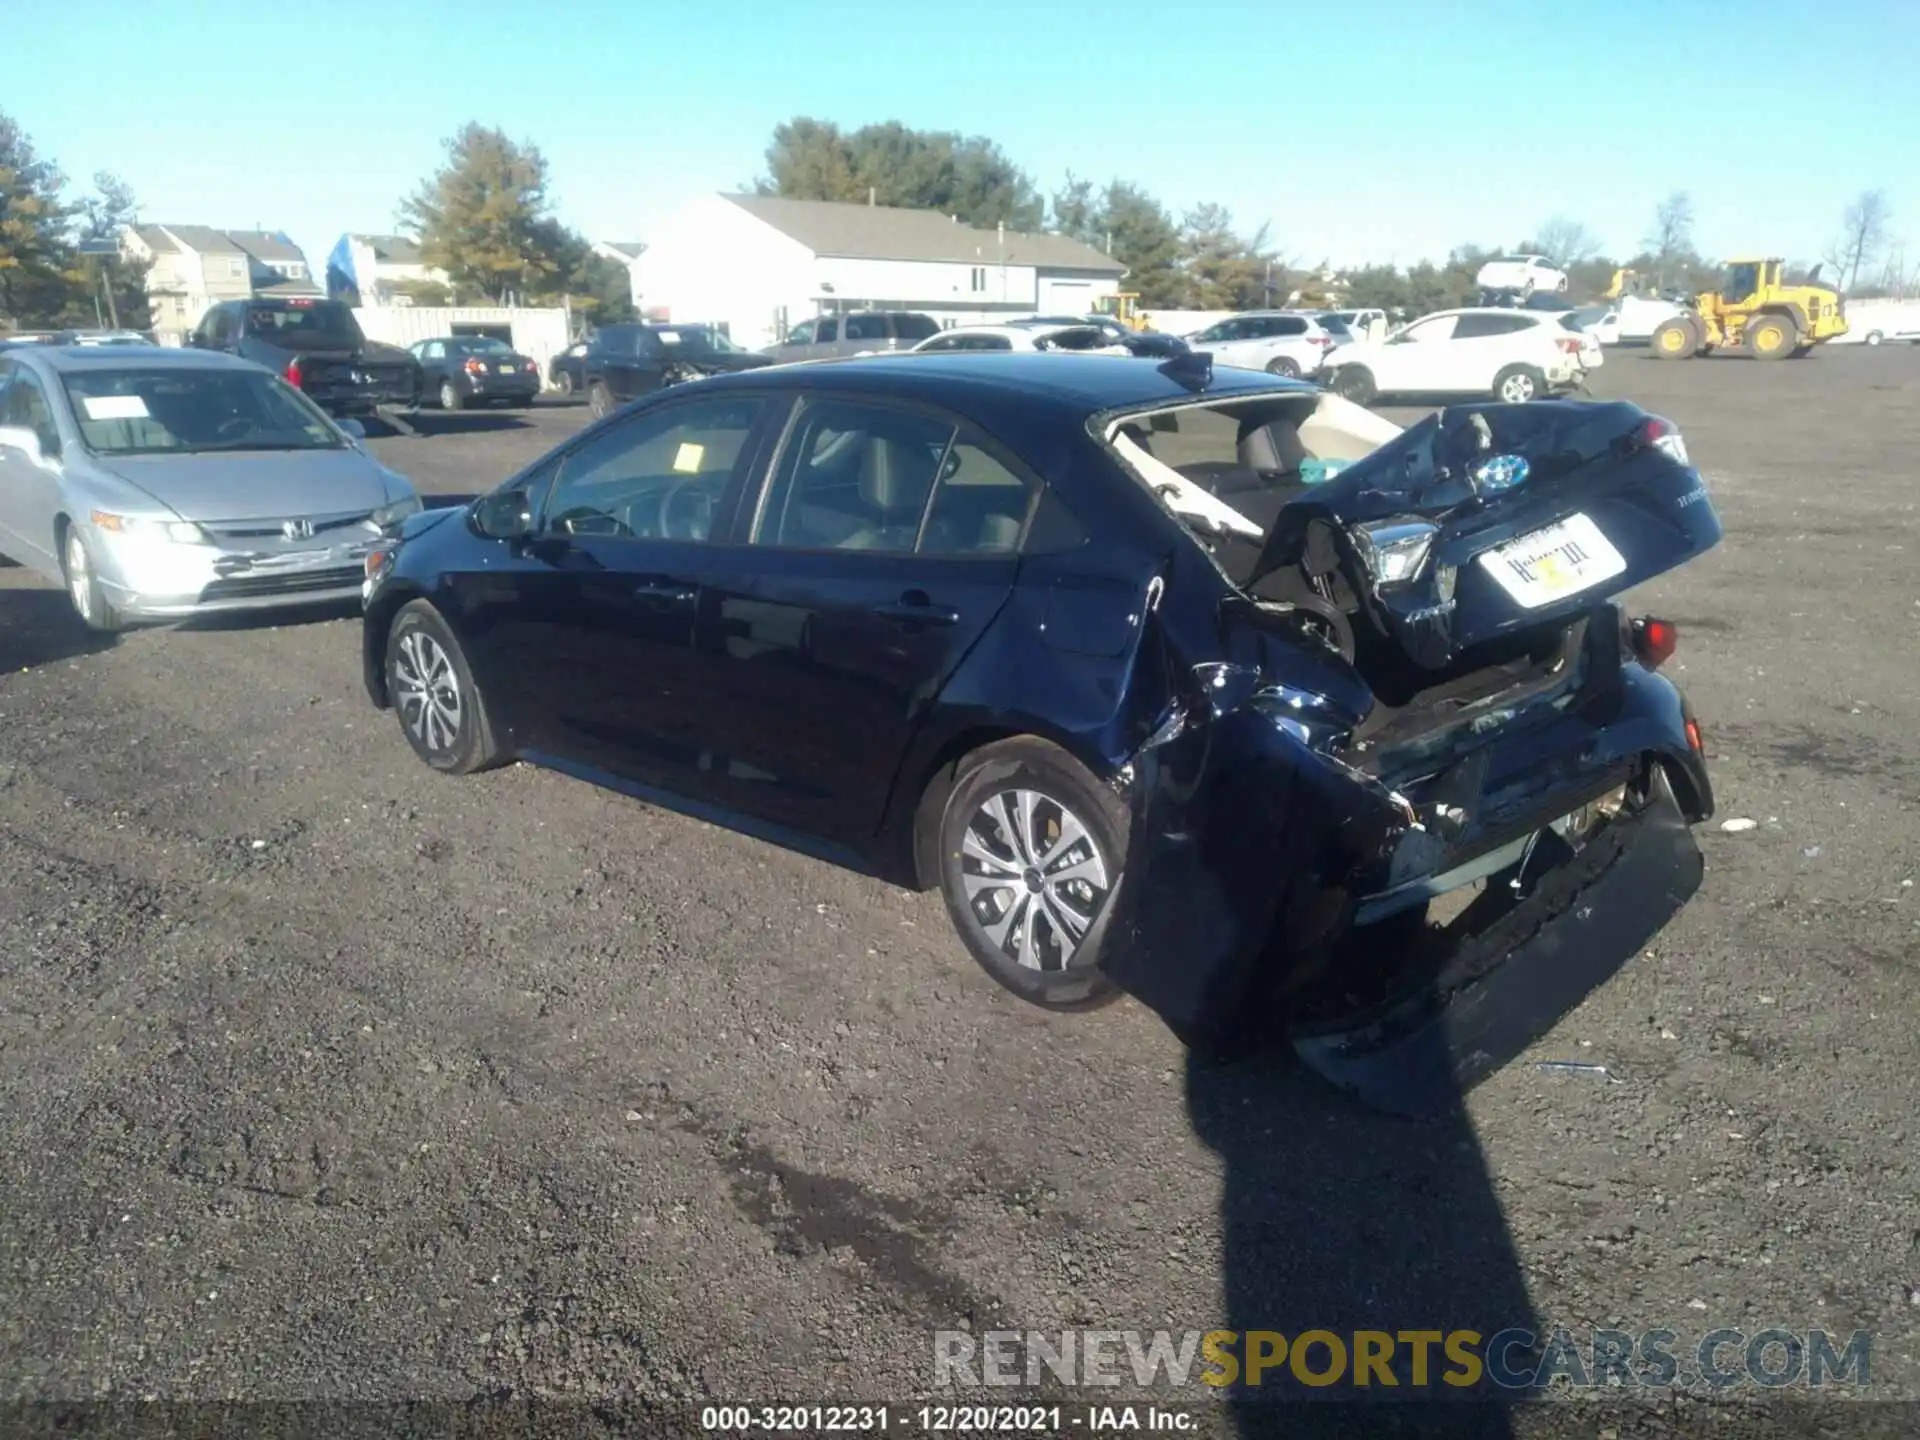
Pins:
<point x="327" y="1076"/>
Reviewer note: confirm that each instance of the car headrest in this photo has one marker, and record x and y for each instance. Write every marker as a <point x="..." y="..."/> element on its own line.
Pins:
<point x="895" y="477"/>
<point x="1272" y="448"/>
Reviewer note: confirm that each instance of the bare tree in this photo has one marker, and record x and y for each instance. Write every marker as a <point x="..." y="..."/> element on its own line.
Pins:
<point x="1863" y="234"/>
<point x="1672" y="236"/>
<point x="1565" y="241"/>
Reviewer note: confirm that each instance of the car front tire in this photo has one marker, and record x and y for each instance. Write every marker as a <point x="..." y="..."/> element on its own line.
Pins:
<point x="599" y="400"/>
<point x="434" y="695"/>
<point x="1031" y="847"/>
<point x="563" y="382"/>
<point x="84" y="591"/>
<point x="1355" y="383"/>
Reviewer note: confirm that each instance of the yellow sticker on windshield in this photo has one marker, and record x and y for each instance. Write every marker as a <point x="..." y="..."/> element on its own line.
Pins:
<point x="687" y="459"/>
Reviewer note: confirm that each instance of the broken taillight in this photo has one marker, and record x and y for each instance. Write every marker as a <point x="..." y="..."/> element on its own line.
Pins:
<point x="1654" y="641"/>
<point x="475" y="367"/>
<point x="1663" y="435"/>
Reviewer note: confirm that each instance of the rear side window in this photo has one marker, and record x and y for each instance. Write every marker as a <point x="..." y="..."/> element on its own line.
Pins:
<point x="1477" y="327"/>
<point x="915" y="327"/>
<point x="1289" y="325"/>
<point x="980" y="507"/>
<point x="866" y="327"/>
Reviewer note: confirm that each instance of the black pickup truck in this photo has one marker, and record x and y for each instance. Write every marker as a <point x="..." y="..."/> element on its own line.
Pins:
<point x="316" y="346"/>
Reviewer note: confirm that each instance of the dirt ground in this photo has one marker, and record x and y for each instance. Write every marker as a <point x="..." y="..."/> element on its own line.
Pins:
<point x="325" y="1076"/>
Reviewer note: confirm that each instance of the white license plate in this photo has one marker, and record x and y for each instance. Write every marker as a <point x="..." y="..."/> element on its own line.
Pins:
<point x="1551" y="564"/>
<point x="507" y="369"/>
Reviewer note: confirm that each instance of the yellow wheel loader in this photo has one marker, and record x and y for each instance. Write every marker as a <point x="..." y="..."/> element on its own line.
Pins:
<point x="1754" y="312"/>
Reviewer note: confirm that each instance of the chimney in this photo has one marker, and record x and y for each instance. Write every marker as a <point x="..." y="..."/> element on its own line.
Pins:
<point x="1109" y="242"/>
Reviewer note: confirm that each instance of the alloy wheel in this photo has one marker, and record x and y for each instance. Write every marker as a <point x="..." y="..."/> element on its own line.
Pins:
<point x="1517" y="389"/>
<point x="1034" y="877"/>
<point x="428" y="691"/>
<point x="79" y="575"/>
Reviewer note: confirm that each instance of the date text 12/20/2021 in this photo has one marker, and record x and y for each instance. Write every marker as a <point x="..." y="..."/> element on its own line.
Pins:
<point x="1043" y="1420"/>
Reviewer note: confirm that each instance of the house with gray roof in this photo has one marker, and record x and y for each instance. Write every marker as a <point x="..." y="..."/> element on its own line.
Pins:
<point x="760" y="264"/>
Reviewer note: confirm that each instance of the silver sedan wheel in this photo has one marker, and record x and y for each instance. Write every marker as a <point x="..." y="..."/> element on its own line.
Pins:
<point x="79" y="575"/>
<point x="1034" y="877"/>
<point x="429" y="692"/>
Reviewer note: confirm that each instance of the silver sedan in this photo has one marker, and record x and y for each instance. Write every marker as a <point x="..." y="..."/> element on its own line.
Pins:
<point x="156" y="484"/>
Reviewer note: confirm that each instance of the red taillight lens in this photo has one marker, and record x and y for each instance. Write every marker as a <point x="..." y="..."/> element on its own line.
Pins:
<point x="1662" y="434"/>
<point x="1569" y="346"/>
<point x="1654" y="641"/>
<point x="296" y="377"/>
<point x="475" y="367"/>
<point x="1693" y="736"/>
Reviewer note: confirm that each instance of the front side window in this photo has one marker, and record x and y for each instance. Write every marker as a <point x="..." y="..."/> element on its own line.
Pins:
<point x="829" y="330"/>
<point x="658" y="476"/>
<point x="801" y="334"/>
<point x="179" y="410"/>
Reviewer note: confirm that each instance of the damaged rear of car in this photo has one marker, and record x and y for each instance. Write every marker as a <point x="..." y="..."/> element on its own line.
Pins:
<point x="1418" y="703"/>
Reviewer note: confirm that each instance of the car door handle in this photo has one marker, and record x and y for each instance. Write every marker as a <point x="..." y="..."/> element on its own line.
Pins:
<point x="915" y="608"/>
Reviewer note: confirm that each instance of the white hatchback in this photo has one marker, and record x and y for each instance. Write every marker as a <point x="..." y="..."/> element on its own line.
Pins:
<point x="1512" y="355"/>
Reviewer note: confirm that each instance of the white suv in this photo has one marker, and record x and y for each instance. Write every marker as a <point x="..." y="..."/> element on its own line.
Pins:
<point x="1512" y="355"/>
<point x="1281" y="342"/>
<point x="1524" y="273"/>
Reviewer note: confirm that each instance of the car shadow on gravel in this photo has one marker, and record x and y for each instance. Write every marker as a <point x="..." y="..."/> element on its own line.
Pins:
<point x="38" y="627"/>
<point x="1339" y="1219"/>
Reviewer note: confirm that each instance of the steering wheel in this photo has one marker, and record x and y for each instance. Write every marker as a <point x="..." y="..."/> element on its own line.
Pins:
<point x="585" y="520"/>
<point x="698" y="525"/>
<point x="236" y="427"/>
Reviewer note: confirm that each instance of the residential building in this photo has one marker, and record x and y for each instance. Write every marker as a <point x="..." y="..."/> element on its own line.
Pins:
<point x="278" y="266"/>
<point x="759" y="264"/>
<point x="378" y="270"/>
<point x="191" y="267"/>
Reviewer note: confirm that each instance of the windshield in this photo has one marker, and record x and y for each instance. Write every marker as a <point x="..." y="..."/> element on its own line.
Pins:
<point x="180" y="411"/>
<point x="305" y="326"/>
<point x="695" y="340"/>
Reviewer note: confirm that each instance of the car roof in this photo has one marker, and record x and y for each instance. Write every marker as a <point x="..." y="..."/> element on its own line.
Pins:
<point x="71" y="359"/>
<point x="1086" y="384"/>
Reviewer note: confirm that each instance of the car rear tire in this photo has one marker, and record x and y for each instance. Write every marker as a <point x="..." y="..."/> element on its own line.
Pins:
<point x="1874" y="337"/>
<point x="1519" y="384"/>
<point x="1031" y="847"/>
<point x="1771" y="337"/>
<point x="1355" y="383"/>
<point x="449" y="397"/>
<point x="434" y="695"/>
<point x="84" y="592"/>
<point x="599" y="400"/>
<point x="563" y="382"/>
<point x="1281" y="365"/>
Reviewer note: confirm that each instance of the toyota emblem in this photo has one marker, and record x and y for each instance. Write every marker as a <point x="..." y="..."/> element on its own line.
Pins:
<point x="297" y="529"/>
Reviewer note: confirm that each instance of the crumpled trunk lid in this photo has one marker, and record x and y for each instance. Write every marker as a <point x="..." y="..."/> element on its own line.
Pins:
<point x="1530" y="513"/>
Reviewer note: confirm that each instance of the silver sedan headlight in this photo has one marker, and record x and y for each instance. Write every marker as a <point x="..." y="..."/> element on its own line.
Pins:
<point x="150" y="527"/>
<point x="394" y="513"/>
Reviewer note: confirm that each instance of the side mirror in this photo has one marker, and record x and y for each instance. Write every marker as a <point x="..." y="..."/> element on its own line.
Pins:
<point x="504" y="515"/>
<point x="352" y="429"/>
<point x="23" y="440"/>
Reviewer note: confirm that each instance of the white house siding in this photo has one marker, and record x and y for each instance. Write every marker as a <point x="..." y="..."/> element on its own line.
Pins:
<point x="538" y="334"/>
<point x="712" y="263"/>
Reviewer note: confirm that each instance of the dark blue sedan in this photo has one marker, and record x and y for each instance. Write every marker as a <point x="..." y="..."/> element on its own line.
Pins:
<point x="1077" y="641"/>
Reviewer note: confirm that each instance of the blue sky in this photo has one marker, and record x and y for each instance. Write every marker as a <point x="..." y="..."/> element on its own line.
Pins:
<point x="1370" y="130"/>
